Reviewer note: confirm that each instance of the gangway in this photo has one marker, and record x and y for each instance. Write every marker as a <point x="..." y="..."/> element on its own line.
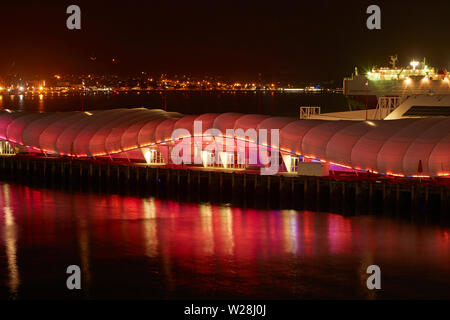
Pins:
<point x="307" y="111"/>
<point x="386" y="105"/>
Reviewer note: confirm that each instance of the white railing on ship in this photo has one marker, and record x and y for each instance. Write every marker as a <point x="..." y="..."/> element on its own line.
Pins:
<point x="307" y="111"/>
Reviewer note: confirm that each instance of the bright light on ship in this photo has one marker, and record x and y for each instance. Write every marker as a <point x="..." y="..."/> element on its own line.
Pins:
<point x="414" y="64"/>
<point x="408" y="80"/>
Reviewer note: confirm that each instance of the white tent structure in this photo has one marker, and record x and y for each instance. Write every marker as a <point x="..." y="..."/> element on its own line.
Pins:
<point x="414" y="146"/>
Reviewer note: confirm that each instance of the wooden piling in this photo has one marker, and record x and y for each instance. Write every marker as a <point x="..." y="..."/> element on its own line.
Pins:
<point x="281" y="190"/>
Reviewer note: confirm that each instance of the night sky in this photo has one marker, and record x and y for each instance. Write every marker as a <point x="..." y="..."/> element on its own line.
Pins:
<point x="282" y="40"/>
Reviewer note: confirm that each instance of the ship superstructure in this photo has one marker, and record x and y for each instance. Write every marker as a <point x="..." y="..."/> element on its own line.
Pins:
<point x="365" y="90"/>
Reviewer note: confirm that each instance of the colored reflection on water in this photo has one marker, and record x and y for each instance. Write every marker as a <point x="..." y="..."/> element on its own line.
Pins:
<point x="130" y="247"/>
<point x="10" y="242"/>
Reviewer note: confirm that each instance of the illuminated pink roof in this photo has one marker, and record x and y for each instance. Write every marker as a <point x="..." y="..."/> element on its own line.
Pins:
<point x="394" y="146"/>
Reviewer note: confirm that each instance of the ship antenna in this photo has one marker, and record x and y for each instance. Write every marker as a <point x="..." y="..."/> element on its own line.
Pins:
<point x="394" y="60"/>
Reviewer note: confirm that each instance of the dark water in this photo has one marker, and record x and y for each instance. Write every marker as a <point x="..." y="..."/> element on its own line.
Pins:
<point x="193" y="102"/>
<point x="130" y="247"/>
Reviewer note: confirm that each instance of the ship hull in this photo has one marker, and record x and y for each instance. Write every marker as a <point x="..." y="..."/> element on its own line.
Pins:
<point x="358" y="102"/>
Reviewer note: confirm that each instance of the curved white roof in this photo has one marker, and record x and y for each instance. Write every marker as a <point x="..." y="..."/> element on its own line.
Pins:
<point x="395" y="146"/>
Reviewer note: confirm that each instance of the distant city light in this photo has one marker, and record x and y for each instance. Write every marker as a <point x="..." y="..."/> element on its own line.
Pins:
<point x="93" y="83"/>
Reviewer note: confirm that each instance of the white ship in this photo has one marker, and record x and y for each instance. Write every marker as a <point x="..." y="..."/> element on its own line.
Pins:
<point x="415" y="106"/>
<point x="398" y="83"/>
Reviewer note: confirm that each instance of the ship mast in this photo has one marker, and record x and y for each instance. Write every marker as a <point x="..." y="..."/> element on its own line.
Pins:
<point x="394" y="60"/>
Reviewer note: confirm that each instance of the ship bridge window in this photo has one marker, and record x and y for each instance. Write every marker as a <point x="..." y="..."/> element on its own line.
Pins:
<point x="428" y="111"/>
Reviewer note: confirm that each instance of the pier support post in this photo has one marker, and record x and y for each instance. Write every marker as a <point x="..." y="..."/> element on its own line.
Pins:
<point x="317" y="192"/>
<point x="397" y="196"/>
<point x="209" y="180"/>
<point x="330" y="194"/>
<point x="442" y="199"/>
<point x="221" y="186"/>
<point x="357" y="197"/>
